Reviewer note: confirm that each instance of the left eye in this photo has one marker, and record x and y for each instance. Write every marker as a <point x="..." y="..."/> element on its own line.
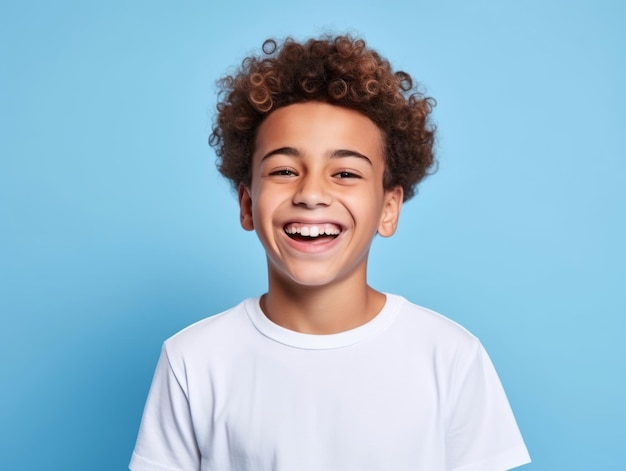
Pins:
<point x="346" y="174"/>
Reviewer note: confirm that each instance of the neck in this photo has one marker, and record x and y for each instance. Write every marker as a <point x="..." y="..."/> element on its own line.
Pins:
<point x="321" y="309"/>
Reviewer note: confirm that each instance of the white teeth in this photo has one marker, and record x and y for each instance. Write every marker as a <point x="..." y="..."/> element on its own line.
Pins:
<point x="312" y="230"/>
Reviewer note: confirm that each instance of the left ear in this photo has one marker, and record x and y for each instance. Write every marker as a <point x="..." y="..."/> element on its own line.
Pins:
<point x="391" y="211"/>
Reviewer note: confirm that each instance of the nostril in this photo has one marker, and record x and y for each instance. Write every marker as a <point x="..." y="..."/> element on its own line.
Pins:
<point x="311" y="196"/>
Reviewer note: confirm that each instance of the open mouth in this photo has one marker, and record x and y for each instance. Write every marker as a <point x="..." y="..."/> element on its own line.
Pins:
<point x="312" y="232"/>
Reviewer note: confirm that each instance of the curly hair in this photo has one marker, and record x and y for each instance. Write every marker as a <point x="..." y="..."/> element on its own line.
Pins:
<point x="340" y="71"/>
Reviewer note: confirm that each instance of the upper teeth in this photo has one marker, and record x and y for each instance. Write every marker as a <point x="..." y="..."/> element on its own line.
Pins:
<point x="312" y="230"/>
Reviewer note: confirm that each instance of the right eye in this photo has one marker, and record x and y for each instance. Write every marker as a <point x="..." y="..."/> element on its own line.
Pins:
<point x="283" y="172"/>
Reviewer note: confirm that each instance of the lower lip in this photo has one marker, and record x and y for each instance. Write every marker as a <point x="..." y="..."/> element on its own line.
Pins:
<point x="314" y="246"/>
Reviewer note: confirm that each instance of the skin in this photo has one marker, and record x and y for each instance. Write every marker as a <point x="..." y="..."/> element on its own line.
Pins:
<point x="320" y="167"/>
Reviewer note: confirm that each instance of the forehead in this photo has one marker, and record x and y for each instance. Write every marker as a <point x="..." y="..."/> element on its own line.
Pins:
<point x="315" y="127"/>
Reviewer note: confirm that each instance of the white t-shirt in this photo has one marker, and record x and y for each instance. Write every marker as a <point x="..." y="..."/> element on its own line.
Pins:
<point x="409" y="390"/>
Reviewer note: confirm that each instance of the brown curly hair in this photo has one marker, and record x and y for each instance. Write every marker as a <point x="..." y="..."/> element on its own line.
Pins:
<point x="336" y="70"/>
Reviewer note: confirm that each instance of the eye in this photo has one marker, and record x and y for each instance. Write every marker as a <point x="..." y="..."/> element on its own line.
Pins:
<point x="346" y="174"/>
<point x="283" y="172"/>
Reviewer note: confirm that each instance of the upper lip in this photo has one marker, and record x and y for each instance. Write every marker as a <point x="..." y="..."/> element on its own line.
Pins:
<point x="316" y="222"/>
<point x="312" y="221"/>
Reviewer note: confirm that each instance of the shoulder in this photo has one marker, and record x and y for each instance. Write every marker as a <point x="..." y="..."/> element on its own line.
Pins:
<point x="428" y="324"/>
<point x="430" y="338"/>
<point x="212" y="335"/>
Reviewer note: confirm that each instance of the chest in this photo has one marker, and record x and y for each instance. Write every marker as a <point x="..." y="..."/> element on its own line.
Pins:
<point x="353" y="409"/>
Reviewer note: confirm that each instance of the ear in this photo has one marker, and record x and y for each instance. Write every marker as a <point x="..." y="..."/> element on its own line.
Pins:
<point x="391" y="211"/>
<point x="245" y="208"/>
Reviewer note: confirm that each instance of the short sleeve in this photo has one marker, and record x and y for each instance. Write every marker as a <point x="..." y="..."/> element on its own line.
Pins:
<point x="481" y="433"/>
<point x="166" y="440"/>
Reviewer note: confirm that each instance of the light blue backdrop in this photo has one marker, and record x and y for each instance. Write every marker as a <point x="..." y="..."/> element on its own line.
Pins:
<point x="116" y="230"/>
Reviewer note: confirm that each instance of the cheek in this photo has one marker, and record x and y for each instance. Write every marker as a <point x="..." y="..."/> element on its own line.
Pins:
<point x="263" y="207"/>
<point x="366" y="201"/>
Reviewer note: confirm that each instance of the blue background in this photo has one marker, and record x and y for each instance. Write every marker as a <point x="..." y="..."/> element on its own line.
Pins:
<point x="116" y="230"/>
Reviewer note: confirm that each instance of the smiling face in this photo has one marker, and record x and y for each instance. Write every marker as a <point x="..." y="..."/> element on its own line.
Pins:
<point x="317" y="199"/>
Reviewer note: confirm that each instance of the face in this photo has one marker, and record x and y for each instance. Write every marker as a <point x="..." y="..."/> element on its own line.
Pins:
<point x="317" y="199"/>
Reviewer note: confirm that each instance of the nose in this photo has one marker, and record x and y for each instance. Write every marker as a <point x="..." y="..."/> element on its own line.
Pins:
<point x="312" y="192"/>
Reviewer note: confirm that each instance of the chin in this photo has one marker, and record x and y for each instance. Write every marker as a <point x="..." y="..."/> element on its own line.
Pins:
<point x="312" y="281"/>
<point x="308" y="278"/>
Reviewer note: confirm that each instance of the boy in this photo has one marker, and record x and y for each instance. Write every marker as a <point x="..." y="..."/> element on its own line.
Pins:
<point x="324" y="143"/>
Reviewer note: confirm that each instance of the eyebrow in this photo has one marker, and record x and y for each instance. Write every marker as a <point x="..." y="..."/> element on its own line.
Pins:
<point x="335" y="154"/>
